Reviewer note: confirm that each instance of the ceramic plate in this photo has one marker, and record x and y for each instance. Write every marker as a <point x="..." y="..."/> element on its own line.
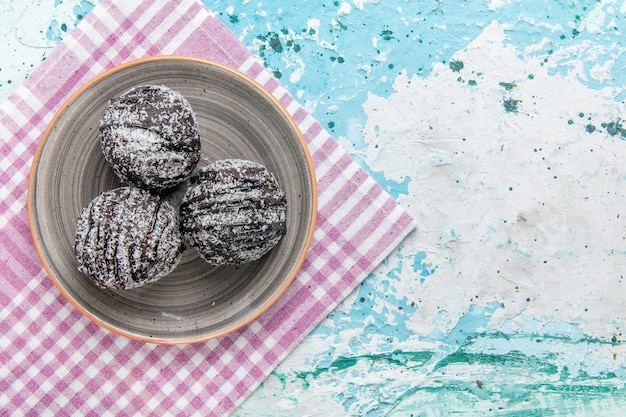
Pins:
<point x="196" y="302"/>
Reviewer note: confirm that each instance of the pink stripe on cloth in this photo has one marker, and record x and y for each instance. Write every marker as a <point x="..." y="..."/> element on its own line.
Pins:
<point x="55" y="361"/>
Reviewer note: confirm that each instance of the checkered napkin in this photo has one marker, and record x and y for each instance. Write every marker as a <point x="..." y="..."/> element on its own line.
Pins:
<point x="53" y="360"/>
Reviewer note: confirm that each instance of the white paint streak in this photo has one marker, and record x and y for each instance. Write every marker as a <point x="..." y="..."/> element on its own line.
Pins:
<point x="360" y="4"/>
<point x="595" y="20"/>
<point x="521" y="207"/>
<point x="601" y="72"/>
<point x="296" y="74"/>
<point x="496" y="4"/>
<point x="344" y="9"/>
<point x="313" y="27"/>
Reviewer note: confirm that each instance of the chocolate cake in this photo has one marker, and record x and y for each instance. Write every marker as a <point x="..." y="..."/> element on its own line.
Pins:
<point x="233" y="212"/>
<point x="150" y="137"/>
<point x="126" y="238"/>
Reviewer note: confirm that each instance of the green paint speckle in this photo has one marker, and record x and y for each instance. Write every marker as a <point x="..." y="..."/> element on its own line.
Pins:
<point x="277" y="73"/>
<point x="510" y="105"/>
<point x="615" y="128"/>
<point x="397" y="358"/>
<point x="341" y="26"/>
<point x="278" y="43"/>
<point x="507" y="86"/>
<point x="456" y="65"/>
<point x="331" y="125"/>
<point x="387" y="34"/>
<point x="590" y="128"/>
<point x="471" y="82"/>
<point x="233" y="18"/>
<point x="513" y="359"/>
<point x="275" y="44"/>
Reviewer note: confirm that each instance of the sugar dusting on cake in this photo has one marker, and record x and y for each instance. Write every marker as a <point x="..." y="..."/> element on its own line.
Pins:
<point x="234" y="211"/>
<point x="150" y="137"/>
<point x="126" y="238"/>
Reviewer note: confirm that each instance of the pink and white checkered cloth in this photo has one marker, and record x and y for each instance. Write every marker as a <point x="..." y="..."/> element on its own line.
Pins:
<point x="54" y="361"/>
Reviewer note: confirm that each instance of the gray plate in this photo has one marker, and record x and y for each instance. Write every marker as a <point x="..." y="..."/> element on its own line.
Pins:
<point x="196" y="302"/>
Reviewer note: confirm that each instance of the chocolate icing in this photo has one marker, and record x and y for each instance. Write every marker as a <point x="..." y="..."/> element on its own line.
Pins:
<point x="126" y="238"/>
<point x="150" y="137"/>
<point x="233" y="212"/>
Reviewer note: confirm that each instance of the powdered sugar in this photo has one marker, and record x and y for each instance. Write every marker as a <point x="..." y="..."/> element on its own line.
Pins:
<point x="117" y="253"/>
<point x="150" y="137"/>
<point x="145" y="156"/>
<point x="233" y="212"/>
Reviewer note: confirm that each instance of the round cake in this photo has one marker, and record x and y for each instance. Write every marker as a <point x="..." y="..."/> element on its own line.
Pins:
<point x="126" y="238"/>
<point x="233" y="212"/>
<point x="150" y="137"/>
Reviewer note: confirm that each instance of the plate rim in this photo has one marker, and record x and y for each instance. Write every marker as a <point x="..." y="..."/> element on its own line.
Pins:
<point x="160" y="58"/>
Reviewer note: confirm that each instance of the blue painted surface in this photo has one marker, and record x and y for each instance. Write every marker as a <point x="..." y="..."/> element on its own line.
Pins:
<point x="548" y="375"/>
